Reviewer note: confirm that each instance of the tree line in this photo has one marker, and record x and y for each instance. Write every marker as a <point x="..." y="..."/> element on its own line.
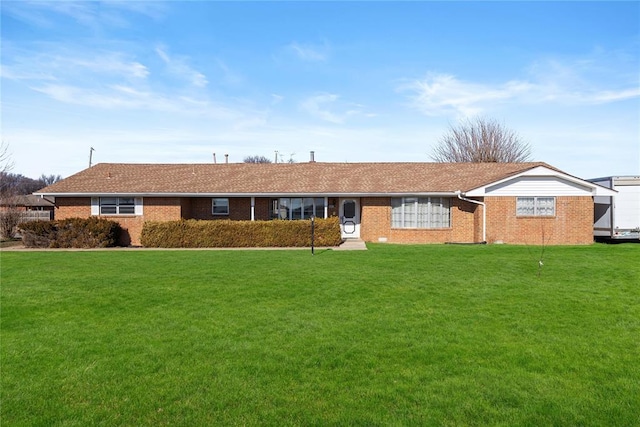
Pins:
<point x="12" y="184"/>
<point x="15" y="184"/>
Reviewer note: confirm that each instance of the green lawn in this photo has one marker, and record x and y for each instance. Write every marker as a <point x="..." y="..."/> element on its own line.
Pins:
<point x="396" y="335"/>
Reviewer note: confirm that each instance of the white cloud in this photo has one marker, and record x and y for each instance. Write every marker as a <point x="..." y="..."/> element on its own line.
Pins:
<point x="21" y="73"/>
<point x="310" y="53"/>
<point x="92" y="14"/>
<point x="316" y="106"/>
<point x="445" y="94"/>
<point x="179" y="67"/>
<point x="66" y="64"/>
<point x="581" y="82"/>
<point x="115" y="97"/>
<point x="324" y="106"/>
<point x="228" y="76"/>
<point x="612" y="96"/>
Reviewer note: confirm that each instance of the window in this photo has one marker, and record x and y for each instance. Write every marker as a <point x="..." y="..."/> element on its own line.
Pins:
<point x="220" y="206"/>
<point x="117" y="206"/>
<point x="297" y="208"/>
<point x="420" y="212"/>
<point x="536" y="206"/>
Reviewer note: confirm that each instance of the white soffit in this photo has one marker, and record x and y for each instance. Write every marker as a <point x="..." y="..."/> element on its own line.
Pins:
<point x="541" y="181"/>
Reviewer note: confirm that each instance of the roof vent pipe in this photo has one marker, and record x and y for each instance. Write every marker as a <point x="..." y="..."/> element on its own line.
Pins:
<point x="312" y="156"/>
<point x="226" y="158"/>
<point x="214" y="158"/>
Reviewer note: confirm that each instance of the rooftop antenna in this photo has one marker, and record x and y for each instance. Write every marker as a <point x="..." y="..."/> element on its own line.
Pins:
<point x="91" y="150"/>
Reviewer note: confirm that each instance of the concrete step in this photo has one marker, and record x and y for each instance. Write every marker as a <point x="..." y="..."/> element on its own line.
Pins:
<point x="352" y="245"/>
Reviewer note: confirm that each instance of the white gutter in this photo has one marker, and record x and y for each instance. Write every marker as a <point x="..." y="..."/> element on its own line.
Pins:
<point x="484" y="214"/>
<point x="225" y="194"/>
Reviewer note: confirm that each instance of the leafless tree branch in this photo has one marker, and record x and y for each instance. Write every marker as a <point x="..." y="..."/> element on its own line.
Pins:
<point x="481" y="140"/>
<point x="6" y="162"/>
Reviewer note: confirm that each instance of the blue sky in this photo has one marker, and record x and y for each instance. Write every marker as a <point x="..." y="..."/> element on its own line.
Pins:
<point x="166" y="82"/>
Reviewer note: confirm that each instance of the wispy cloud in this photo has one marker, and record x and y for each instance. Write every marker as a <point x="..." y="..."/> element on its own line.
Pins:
<point x="51" y="63"/>
<point x="444" y="94"/>
<point x="178" y="66"/>
<point x="551" y="81"/>
<point x="329" y="108"/>
<point x="45" y="14"/>
<point x="228" y="76"/>
<point x="117" y="80"/>
<point x="118" y="97"/>
<point x="310" y="52"/>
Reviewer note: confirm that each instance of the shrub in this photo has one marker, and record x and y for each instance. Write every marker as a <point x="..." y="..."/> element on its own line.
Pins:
<point x="239" y="234"/>
<point x="38" y="234"/>
<point x="90" y="232"/>
<point x="9" y="220"/>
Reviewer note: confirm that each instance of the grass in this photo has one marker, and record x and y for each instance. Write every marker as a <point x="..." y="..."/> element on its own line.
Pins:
<point x="396" y="335"/>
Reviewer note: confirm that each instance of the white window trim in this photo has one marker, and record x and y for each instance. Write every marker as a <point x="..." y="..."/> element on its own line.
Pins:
<point x="213" y="205"/>
<point x="536" y="212"/>
<point x="137" y="210"/>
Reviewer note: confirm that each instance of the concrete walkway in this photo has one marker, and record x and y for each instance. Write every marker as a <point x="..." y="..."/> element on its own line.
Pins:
<point x="352" y="245"/>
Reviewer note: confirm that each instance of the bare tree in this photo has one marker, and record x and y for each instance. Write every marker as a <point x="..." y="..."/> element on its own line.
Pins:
<point x="256" y="159"/>
<point x="47" y="180"/>
<point x="9" y="214"/>
<point x="6" y="162"/>
<point x="481" y="140"/>
<point x="12" y="184"/>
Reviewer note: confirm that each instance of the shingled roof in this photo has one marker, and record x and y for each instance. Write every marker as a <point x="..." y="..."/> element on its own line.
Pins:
<point x="296" y="178"/>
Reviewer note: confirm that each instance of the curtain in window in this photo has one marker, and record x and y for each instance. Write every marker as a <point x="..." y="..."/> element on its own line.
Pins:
<point x="423" y="212"/>
<point x="424" y="208"/>
<point x="396" y="213"/>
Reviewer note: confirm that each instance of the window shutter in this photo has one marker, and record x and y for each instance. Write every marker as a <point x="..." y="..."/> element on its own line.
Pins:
<point x="138" y="201"/>
<point x="95" y="206"/>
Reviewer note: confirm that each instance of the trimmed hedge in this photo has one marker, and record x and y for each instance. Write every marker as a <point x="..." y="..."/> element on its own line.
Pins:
<point x="239" y="234"/>
<point x="90" y="232"/>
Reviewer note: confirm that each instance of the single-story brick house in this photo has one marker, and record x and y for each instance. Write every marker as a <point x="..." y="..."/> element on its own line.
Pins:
<point x="32" y="207"/>
<point x="519" y="203"/>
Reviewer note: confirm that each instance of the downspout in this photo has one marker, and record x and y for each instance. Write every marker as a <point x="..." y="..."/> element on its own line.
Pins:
<point x="484" y="214"/>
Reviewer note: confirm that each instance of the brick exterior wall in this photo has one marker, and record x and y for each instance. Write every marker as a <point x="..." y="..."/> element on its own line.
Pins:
<point x="376" y="224"/>
<point x="572" y="224"/>
<point x="154" y="209"/>
<point x="239" y="209"/>
<point x="73" y="207"/>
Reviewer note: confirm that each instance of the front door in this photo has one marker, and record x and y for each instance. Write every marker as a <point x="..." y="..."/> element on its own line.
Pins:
<point x="350" y="218"/>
